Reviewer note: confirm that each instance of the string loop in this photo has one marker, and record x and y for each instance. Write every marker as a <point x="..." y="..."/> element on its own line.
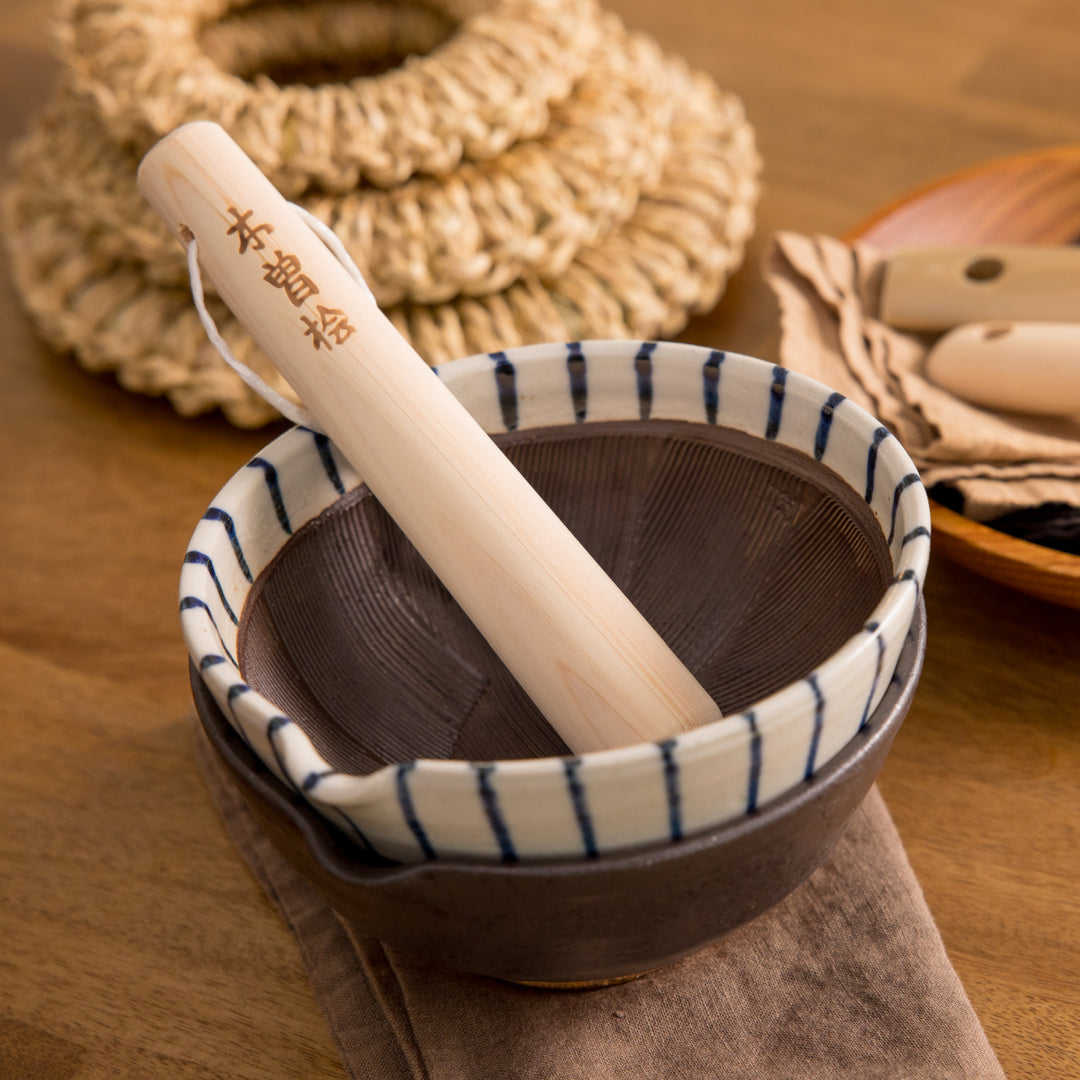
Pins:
<point x="291" y="411"/>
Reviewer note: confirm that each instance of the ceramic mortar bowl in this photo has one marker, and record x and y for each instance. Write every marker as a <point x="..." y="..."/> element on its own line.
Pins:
<point x="572" y="922"/>
<point x="773" y="533"/>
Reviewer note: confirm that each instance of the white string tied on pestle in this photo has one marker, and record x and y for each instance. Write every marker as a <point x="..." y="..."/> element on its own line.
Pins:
<point x="290" y="410"/>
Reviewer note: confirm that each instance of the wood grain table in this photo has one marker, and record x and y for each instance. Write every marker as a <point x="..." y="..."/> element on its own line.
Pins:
<point x="135" y="942"/>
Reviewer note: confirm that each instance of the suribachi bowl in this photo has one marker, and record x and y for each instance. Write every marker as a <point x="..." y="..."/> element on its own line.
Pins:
<point x="573" y="923"/>
<point x="773" y="532"/>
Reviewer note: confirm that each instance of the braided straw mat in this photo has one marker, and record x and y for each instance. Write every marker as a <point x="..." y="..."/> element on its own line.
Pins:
<point x="502" y="171"/>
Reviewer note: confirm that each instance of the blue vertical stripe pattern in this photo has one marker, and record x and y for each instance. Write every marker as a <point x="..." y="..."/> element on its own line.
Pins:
<point x="235" y="691"/>
<point x="821" y="440"/>
<point x="776" y="401"/>
<point x="819" y="720"/>
<point x="490" y="801"/>
<point x="907" y="575"/>
<point x="271" y="477"/>
<point x="880" y="435"/>
<point x="901" y="487"/>
<point x="506" y="385"/>
<point x="671" y="788"/>
<point x="754" y="778"/>
<point x="919" y="530"/>
<point x="215" y="514"/>
<point x="579" y="390"/>
<point x="197" y="558"/>
<point x="189" y="603"/>
<point x="581" y="806"/>
<point x="872" y="628"/>
<point x="275" y="724"/>
<point x="644" y="370"/>
<point x="312" y="780"/>
<point x="408" y="811"/>
<point x="326" y="456"/>
<point x="711" y="384"/>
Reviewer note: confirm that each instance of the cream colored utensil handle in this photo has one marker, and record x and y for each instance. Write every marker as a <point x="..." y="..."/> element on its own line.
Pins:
<point x="596" y="669"/>
<point x="937" y="288"/>
<point x="1014" y="367"/>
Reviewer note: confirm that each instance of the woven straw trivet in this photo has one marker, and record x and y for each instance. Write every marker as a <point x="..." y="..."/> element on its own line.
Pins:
<point x="474" y="232"/>
<point x="151" y="65"/>
<point x="622" y="215"/>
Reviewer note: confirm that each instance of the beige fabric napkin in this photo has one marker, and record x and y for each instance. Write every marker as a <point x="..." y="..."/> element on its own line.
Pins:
<point x="846" y="978"/>
<point x="829" y="293"/>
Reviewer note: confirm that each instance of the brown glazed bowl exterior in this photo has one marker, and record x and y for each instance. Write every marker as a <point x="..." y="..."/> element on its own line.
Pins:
<point x="576" y="921"/>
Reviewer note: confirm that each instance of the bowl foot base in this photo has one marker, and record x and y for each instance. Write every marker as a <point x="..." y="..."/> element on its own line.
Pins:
<point x="582" y="984"/>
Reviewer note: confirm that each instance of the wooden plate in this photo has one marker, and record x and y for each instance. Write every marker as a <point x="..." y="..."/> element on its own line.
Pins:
<point x="1030" y="199"/>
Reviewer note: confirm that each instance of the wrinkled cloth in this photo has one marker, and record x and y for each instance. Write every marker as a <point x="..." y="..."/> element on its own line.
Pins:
<point x="998" y="463"/>
<point x="846" y="978"/>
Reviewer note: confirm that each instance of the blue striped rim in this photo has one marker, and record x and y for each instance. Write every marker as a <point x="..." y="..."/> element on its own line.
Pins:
<point x="643" y="367"/>
<point x="819" y="720"/>
<point x="313" y="779"/>
<point x="197" y="558"/>
<point x="579" y="390"/>
<point x="210" y="660"/>
<point x="275" y="724"/>
<point x="919" y="530"/>
<point x="880" y="435"/>
<point x="506" y="386"/>
<point x="901" y="487"/>
<point x="754" y="780"/>
<point x="271" y="477"/>
<point x="190" y="603"/>
<point x="326" y="456"/>
<point x="671" y="787"/>
<point x="490" y="801"/>
<point x="776" y="401"/>
<point x="711" y="380"/>
<point x="235" y="691"/>
<point x="907" y="575"/>
<point x="821" y="440"/>
<point x="581" y="806"/>
<point x="409" y="811"/>
<point x="873" y="628"/>
<point x="216" y="514"/>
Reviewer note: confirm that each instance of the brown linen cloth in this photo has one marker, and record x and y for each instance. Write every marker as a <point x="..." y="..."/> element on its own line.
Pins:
<point x="847" y="977"/>
<point x="1000" y="462"/>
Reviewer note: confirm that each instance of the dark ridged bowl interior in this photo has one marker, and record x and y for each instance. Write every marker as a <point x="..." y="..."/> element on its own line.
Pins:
<point x="754" y="562"/>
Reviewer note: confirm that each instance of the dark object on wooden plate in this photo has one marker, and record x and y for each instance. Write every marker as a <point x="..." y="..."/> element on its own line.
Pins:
<point x="1052" y="525"/>
<point x="574" y="922"/>
<point x="1030" y="199"/>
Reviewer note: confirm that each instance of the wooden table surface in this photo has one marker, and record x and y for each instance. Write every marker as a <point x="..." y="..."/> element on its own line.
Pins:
<point x="136" y="943"/>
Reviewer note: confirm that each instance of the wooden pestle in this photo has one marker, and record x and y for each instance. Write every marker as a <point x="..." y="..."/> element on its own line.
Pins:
<point x="1025" y="367"/>
<point x="937" y="288"/>
<point x="596" y="669"/>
